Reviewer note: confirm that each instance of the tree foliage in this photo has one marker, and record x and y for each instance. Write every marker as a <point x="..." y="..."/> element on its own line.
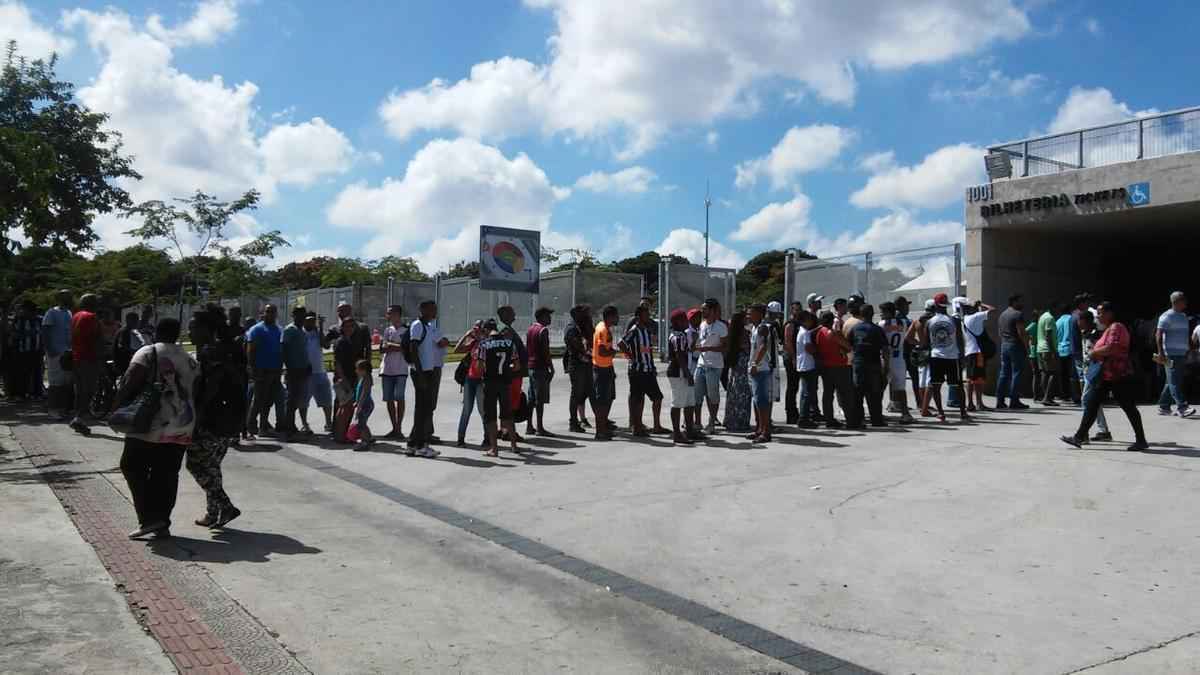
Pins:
<point x="761" y="279"/>
<point x="58" y="163"/>
<point x="465" y="269"/>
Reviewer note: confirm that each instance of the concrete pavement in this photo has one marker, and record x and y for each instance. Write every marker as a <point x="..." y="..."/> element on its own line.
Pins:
<point x="939" y="549"/>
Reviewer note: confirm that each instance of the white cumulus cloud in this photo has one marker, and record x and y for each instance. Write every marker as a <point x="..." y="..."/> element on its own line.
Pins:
<point x="801" y="150"/>
<point x="449" y="189"/>
<point x="34" y="40"/>
<point x="635" y="179"/>
<point x="186" y="133"/>
<point x="936" y="181"/>
<point x="1085" y="107"/>
<point x="630" y="76"/>
<point x="212" y="20"/>
<point x="781" y="224"/>
<point x="301" y="153"/>
<point x="689" y="243"/>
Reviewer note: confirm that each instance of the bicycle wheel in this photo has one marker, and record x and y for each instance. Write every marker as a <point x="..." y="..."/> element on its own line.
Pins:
<point x="101" y="404"/>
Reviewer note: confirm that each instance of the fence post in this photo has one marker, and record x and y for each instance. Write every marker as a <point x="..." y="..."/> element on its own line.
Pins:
<point x="958" y="270"/>
<point x="1025" y="159"/>
<point x="788" y="261"/>
<point x="1080" y="149"/>
<point x="866" y="275"/>
<point x="1141" y="139"/>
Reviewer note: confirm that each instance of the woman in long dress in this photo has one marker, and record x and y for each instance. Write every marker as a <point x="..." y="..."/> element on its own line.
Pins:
<point x="737" y="396"/>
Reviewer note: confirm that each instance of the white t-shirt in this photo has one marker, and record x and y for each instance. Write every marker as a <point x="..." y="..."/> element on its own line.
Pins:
<point x="804" y="361"/>
<point x="428" y="335"/>
<point x="973" y="325"/>
<point x="1196" y="334"/>
<point x="943" y="344"/>
<point x="760" y="336"/>
<point x="176" y="371"/>
<point x="439" y="353"/>
<point x="710" y="336"/>
<point x="394" y="363"/>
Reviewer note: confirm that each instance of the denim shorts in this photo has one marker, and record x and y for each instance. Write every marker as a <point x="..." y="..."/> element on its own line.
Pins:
<point x="320" y="390"/>
<point x="760" y="388"/>
<point x="394" y="386"/>
<point x="708" y="384"/>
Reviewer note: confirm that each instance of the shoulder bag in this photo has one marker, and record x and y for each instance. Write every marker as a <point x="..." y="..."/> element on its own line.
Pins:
<point x="138" y="416"/>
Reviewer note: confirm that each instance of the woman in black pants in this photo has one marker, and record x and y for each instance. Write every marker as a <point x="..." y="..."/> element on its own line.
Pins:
<point x="150" y="461"/>
<point x="1111" y="371"/>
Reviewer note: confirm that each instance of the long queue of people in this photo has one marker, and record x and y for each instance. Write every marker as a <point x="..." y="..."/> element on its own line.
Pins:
<point x="223" y="392"/>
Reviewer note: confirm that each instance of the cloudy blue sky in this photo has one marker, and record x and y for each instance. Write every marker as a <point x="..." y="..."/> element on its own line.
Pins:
<point x="398" y="128"/>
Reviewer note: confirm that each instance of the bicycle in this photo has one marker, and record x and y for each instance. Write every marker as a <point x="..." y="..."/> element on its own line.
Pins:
<point x="106" y="391"/>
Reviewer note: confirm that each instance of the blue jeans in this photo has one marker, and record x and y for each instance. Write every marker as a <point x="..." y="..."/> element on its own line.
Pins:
<point x="1089" y="390"/>
<point x="1173" y="389"/>
<point x="472" y="398"/>
<point x="1012" y="364"/>
<point x="760" y="388"/>
<point x="708" y="383"/>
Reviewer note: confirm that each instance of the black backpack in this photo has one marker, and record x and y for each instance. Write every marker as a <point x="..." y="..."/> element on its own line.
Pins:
<point x="410" y="347"/>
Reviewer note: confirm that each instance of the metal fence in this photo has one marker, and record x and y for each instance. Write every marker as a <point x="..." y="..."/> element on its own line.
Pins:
<point x="460" y="301"/>
<point x="917" y="274"/>
<point x="1153" y="136"/>
<point x="687" y="286"/>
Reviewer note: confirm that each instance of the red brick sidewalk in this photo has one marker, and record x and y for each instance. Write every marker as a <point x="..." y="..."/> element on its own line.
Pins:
<point x="183" y="636"/>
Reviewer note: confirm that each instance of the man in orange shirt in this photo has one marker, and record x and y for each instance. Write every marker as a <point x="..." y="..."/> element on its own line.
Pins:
<point x="835" y="372"/>
<point x="605" y="377"/>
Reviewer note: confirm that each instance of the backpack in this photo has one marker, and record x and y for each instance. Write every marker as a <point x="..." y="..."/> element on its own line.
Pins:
<point x="411" y="348"/>
<point x="986" y="345"/>
<point x="460" y="372"/>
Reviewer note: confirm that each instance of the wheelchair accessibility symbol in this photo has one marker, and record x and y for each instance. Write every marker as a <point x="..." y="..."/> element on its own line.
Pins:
<point x="1139" y="194"/>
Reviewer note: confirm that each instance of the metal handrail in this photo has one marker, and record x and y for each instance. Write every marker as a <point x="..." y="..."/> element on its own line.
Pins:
<point x="1065" y="134"/>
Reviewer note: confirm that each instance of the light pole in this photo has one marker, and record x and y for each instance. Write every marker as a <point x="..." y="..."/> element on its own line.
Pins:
<point x="707" y="205"/>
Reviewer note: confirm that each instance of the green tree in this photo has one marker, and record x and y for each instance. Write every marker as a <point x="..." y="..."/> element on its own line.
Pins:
<point x="198" y="228"/>
<point x="761" y="279"/>
<point x="58" y="163"/>
<point x="301" y="275"/>
<point x="464" y="268"/>
<point x="345" y="272"/>
<point x="646" y="264"/>
<point x="402" y="269"/>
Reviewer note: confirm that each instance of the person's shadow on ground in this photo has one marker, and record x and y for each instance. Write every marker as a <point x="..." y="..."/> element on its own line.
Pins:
<point x="229" y="545"/>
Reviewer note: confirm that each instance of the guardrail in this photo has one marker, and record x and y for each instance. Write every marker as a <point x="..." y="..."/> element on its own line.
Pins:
<point x="1158" y="135"/>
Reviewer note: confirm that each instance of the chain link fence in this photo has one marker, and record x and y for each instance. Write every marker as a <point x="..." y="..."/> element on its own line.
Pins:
<point x="917" y="274"/>
<point x="687" y="287"/>
<point x="460" y="301"/>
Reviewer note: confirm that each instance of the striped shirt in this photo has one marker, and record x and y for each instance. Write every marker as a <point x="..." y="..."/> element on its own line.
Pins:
<point x="26" y="335"/>
<point x="640" y="349"/>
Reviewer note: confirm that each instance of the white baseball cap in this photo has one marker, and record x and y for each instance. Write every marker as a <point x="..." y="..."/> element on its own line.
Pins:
<point x="813" y="297"/>
<point x="774" y="307"/>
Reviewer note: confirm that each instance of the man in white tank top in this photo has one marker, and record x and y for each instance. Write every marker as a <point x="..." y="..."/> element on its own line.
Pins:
<point x="944" y="339"/>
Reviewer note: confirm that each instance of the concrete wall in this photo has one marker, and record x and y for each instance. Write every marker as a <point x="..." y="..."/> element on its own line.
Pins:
<point x="1052" y="253"/>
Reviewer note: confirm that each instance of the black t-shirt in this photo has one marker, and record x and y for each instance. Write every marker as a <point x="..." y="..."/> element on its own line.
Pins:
<point x="345" y="356"/>
<point x="498" y="352"/>
<point x="1009" y="320"/>
<point x="868" y="343"/>
<point x="578" y="342"/>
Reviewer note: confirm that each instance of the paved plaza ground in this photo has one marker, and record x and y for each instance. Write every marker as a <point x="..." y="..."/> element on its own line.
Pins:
<point x="982" y="548"/>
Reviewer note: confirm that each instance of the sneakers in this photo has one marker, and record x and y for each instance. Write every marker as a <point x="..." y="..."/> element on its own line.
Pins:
<point x="1102" y="436"/>
<point x="1001" y="406"/>
<point x="227" y="516"/>
<point x="428" y="452"/>
<point x="1018" y="406"/>
<point x="1050" y="404"/>
<point x="1165" y="412"/>
<point x="1186" y="412"/>
<point x="81" y="428"/>
<point x="1072" y="441"/>
<point x="576" y="428"/>
<point x="1140" y="446"/>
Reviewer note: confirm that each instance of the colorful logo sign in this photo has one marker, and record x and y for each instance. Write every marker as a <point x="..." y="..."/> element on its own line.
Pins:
<point x="1138" y="194"/>
<point x="508" y="257"/>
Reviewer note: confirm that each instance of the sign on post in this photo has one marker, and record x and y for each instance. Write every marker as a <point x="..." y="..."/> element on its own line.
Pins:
<point x="509" y="259"/>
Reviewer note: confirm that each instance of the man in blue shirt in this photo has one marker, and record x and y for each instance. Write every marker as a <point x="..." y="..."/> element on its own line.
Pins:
<point x="264" y="352"/>
<point x="56" y="339"/>
<point x="299" y="367"/>
<point x="1172" y="340"/>
<point x="1066" y="330"/>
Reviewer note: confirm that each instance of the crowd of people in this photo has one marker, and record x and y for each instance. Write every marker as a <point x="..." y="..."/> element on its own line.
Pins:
<point x="223" y="392"/>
